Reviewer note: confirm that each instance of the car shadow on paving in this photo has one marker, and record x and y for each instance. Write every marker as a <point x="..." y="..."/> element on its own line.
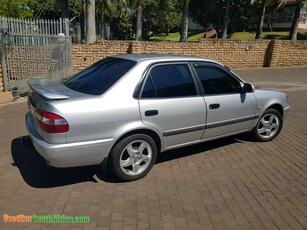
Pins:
<point x="195" y="149"/>
<point x="36" y="174"/>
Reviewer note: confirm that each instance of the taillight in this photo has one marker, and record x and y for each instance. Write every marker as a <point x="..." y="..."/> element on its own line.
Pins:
<point x="51" y="122"/>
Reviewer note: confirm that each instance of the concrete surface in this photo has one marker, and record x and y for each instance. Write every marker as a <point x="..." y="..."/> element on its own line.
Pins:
<point x="233" y="183"/>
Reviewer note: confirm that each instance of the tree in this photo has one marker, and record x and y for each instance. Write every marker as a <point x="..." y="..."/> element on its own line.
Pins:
<point x="49" y="9"/>
<point x="276" y="5"/>
<point x="296" y="19"/>
<point x="225" y="20"/>
<point x="160" y="17"/>
<point x="54" y="9"/>
<point x="64" y="9"/>
<point x="225" y="16"/>
<point x="103" y="8"/>
<point x="139" y="7"/>
<point x="83" y="20"/>
<point x="16" y="8"/>
<point x="185" y="21"/>
<point x="90" y="22"/>
<point x="239" y="15"/>
<point x="205" y="12"/>
<point x="261" y="20"/>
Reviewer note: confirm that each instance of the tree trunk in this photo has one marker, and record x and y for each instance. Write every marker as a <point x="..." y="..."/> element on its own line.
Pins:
<point x="64" y="9"/>
<point x="138" y="36"/>
<point x="83" y="21"/>
<point x="185" y="22"/>
<point x="102" y="26"/>
<point x="225" y="22"/>
<point x="261" y="20"/>
<point x="90" y="22"/>
<point x="295" y="21"/>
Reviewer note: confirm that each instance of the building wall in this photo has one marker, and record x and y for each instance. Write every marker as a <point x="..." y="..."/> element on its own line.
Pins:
<point x="283" y="19"/>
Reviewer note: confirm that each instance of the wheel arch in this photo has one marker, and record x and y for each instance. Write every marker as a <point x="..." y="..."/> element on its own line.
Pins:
<point x="277" y="107"/>
<point x="148" y="132"/>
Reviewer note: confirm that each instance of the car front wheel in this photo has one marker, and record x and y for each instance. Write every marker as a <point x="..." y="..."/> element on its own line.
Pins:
<point x="268" y="126"/>
<point x="133" y="157"/>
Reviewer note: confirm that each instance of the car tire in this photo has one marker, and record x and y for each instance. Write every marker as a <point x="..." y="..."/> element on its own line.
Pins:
<point x="133" y="157"/>
<point x="268" y="127"/>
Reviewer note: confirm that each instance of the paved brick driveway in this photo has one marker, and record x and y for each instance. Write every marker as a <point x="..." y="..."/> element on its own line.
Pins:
<point x="232" y="183"/>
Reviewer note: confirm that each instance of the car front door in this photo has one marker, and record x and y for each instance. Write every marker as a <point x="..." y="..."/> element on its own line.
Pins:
<point x="170" y="103"/>
<point x="229" y="110"/>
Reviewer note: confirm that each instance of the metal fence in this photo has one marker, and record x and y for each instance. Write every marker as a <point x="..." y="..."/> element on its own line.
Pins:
<point x="34" y="49"/>
<point x="34" y="26"/>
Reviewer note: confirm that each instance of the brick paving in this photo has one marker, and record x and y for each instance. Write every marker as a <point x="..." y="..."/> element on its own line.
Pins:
<point x="233" y="183"/>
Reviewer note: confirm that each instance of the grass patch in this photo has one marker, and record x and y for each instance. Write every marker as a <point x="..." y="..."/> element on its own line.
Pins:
<point x="171" y="37"/>
<point x="195" y="36"/>
<point x="175" y="37"/>
<point x="302" y="36"/>
<point x="265" y="35"/>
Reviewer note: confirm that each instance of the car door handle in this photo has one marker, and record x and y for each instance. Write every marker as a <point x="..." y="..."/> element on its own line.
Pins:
<point x="150" y="113"/>
<point x="214" y="106"/>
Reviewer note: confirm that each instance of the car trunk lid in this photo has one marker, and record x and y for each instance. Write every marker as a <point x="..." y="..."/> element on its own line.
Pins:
<point x="49" y="90"/>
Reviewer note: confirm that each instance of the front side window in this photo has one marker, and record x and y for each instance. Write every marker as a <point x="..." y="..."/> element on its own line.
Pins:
<point x="100" y="76"/>
<point x="173" y="80"/>
<point x="216" y="81"/>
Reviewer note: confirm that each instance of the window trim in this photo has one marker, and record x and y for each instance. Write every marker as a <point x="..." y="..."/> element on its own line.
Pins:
<point x="146" y="75"/>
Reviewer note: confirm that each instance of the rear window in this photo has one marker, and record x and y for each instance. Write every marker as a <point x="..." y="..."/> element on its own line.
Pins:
<point x="100" y="76"/>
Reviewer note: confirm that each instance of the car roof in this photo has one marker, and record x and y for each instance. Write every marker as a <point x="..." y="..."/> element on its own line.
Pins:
<point x="161" y="57"/>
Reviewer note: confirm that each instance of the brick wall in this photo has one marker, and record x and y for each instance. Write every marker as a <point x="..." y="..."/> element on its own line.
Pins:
<point x="1" y="79"/>
<point x="235" y="54"/>
<point x="290" y="53"/>
<point x="85" y="55"/>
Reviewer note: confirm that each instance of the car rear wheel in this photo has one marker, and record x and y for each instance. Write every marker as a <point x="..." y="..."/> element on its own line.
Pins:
<point x="133" y="157"/>
<point x="268" y="126"/>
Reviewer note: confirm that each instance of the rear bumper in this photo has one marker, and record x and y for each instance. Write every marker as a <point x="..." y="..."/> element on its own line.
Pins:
<point x="72" y="154"/>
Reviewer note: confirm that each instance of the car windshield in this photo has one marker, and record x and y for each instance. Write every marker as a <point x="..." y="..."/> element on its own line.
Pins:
<point x="100" y="76"/>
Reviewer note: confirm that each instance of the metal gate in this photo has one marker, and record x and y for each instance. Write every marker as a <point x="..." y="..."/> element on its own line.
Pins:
<point x="34" y="49"/>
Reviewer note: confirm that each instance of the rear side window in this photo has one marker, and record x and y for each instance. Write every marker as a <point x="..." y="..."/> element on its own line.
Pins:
<point x="173" y="80"/>
<point x="100" y="76"/>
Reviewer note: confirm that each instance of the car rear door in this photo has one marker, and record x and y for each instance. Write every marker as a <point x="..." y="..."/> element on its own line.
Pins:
<point x="229" y="111"/>
<point x="171" y="103"/>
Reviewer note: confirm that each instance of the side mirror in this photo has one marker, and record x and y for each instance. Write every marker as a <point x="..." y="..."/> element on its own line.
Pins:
<point x="248" y="88"/>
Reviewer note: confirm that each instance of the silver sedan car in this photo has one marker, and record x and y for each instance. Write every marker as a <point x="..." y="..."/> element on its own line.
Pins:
<point x="125" y="109"/>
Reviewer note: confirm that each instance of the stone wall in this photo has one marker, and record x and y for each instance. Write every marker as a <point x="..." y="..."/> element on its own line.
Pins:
<point x="85" y="55"/>
<point x="235" y="54"/>
<point x="1" y="80"/>
<point x="289" y="53"/>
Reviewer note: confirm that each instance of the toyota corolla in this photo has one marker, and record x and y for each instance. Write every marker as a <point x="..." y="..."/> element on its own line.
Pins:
<point x="125" y="109"/>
